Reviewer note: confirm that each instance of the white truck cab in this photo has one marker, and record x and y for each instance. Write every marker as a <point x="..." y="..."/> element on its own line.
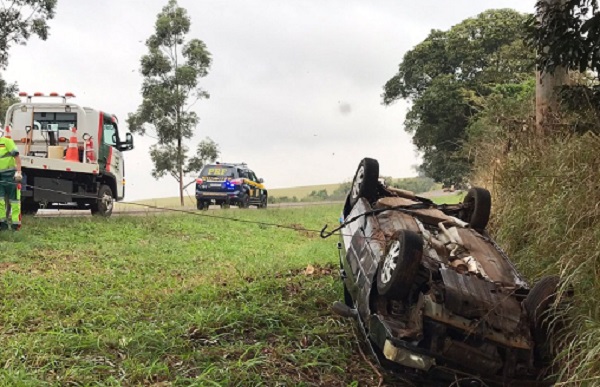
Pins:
<point x="72" y="155"/>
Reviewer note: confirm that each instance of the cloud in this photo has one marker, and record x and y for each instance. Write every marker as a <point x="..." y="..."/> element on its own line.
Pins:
<point x="295" y="85"/>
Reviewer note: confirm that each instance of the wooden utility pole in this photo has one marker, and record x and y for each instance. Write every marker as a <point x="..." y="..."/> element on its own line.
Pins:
<point x="546" y="97"/>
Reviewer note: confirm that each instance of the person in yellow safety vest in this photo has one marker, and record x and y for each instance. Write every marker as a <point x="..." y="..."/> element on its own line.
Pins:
<point x="10" y="187"/>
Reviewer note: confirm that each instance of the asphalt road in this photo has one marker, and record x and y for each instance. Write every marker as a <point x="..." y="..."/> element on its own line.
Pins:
<point x="149" y="211"/>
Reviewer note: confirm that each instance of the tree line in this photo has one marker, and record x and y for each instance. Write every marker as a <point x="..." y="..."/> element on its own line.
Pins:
<point x="457" y="79"/>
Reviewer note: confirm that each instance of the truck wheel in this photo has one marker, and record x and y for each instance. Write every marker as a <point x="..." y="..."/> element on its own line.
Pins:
<point x="399" y="267"/>
<point x="105" y="203"/>
<point x="365" y="181"/>
<point x="201" y="205"/>
<point x="477" y="207"/>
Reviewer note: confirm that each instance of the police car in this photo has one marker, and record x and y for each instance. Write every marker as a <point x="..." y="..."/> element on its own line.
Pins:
<point x="228" y="184"/>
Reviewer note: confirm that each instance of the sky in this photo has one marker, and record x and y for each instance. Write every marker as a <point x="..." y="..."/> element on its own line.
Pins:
<point x="295" y="86"/>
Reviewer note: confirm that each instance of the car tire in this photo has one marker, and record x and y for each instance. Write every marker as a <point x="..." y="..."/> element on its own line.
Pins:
<point x="244" y="201"/>
<point x="538" y="305"/>
<point x="201" y="205"/>
<point x="478" y="205"/>
<point x="263" y="202"/>
<point x="364" y="184"/>
<point x="397" y="270"/>
<point x="104" y="205"/>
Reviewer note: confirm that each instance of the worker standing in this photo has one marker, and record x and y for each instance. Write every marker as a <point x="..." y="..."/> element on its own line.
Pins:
<point x="10" y="184"/>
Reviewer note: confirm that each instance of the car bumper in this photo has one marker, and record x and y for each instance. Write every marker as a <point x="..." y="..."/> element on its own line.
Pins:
<point x="231" y="197"/>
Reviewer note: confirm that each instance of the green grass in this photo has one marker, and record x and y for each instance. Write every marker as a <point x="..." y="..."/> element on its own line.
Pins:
<point x="454" y="198"/>
<point x="175" y="300"/>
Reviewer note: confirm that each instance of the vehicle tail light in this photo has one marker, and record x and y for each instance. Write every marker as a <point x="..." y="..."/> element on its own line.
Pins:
<point x="53" y="94"/>
<point x="38" y="94"/>
<point x="199" y="181"/>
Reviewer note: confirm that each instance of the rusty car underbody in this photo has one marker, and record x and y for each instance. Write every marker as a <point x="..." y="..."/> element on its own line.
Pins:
<point x="453" y="309"/>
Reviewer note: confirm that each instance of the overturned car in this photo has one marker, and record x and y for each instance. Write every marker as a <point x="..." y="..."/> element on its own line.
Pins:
<point x="435" y="296"/>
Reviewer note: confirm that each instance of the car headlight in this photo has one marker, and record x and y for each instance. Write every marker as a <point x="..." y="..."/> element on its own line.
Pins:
<point x="406" y="357"/>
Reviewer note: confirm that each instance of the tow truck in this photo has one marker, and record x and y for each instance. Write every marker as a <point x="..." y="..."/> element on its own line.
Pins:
<point x="71" y="155"/>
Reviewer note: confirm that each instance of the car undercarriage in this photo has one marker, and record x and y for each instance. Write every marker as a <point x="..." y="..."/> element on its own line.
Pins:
<point x="434" y="295"/>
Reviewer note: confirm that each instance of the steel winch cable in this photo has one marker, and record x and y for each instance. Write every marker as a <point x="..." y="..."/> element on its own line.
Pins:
<point x="323" y="233"/>
<point x="183" y="211"/>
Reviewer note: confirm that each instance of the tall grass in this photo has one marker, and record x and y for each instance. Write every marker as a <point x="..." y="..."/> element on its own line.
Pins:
<point x="546" y="205"/>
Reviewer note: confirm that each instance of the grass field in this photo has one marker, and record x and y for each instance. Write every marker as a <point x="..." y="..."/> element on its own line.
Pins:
<point x="190" y="201"/>
<point x="175" y="300"/>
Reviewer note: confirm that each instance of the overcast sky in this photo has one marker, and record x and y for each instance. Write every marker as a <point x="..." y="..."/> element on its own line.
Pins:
<point x="295" y="85"/>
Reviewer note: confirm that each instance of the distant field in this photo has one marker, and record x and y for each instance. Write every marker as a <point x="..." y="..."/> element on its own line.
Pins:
<point x="190" y="201"/>
<point x="452" y="198"/>
<point x="303" y="191"/>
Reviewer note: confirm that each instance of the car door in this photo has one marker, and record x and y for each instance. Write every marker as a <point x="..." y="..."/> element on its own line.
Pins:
<point x="254" y="189"/>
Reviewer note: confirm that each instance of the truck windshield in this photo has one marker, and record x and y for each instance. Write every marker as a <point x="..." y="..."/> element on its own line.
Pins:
<point x="54" y="121"/>
<point x="109" y="134"/>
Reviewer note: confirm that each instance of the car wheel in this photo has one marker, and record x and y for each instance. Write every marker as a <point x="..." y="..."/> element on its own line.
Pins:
<point x="539" y="307"/>
<point x="103" y="206"/>
<point x="399" y="267"/>
<point x="263" y="202"/>
<point x="244" y="201"/>
<point x="365" y="181"/>
<point x="201" y="205"/>
<point x="477" y="206"/>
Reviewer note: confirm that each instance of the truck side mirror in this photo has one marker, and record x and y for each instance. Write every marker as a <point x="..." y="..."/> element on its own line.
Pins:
<point x="128" y="144"/>
<point x="260" y="180"/>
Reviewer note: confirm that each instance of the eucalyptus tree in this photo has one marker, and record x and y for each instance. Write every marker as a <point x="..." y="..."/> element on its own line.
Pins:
<point x="172" y="69"/>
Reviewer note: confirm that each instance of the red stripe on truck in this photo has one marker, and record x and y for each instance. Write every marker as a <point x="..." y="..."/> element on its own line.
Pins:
<point x="109" y="158"/>
<point x="100" y="121"/>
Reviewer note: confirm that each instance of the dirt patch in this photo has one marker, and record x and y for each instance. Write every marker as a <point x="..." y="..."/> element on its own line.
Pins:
<point x="309" y="270"/>
<point x="302" y="230"/>
<point x="9" y="267"/>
